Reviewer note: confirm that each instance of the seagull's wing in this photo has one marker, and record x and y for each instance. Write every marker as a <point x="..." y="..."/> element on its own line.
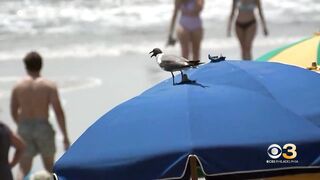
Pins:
<point x="177" y="59"/>
<point x="182" y="60"/>
<point x="173" y="63"/>
<point x="195" y="63"/>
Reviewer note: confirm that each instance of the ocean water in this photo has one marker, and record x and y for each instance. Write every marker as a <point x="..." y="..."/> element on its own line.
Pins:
<point x="109" y="28"/>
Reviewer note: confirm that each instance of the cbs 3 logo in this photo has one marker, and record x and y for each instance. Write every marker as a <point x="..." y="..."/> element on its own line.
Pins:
<point x="275" y="151"/>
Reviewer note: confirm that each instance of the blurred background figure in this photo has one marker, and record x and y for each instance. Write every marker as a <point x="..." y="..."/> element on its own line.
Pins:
<point x="190" y="29"/>
<point x="245" y="24"/>
<point x="7" y="139"/>
<point x="30" y="101"/>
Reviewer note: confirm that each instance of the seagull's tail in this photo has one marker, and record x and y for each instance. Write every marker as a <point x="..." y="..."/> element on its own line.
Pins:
<point x="195" y="64"/>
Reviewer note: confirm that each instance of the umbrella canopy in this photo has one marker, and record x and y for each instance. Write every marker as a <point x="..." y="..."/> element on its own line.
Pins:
<point x="235" y="119"/>
<point x="302" y="53"/>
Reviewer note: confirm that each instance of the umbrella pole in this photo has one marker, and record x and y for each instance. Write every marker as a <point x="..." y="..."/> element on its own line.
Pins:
<point x="193" y="168"/>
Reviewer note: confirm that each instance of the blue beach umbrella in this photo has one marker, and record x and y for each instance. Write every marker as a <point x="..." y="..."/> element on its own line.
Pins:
<point x="239" y="119"/>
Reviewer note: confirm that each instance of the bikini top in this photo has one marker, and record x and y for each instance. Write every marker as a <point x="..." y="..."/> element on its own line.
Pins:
<point x="246" y="6"/>
<point x="188" y="5"/>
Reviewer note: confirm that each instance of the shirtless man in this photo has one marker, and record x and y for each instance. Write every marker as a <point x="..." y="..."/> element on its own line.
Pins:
<point x="30" y="102"/>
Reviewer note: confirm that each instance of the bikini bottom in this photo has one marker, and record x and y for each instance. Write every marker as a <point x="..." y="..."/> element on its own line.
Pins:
<point x="190" y="23"/>
<point x="245" y="25"/>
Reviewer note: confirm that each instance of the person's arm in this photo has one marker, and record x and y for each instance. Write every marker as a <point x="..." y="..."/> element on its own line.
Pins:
<point x="55" y="102"/>
<point x="233" y="9"/>
<point x="173" y="21"/>
<point x="14" y="105"/>
<point x="264" y="25"/>
<point x="19" y="145"/>
<point x="199" y="6"/>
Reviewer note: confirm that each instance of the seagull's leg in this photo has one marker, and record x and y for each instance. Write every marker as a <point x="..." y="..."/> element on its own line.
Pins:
<point x="181" y="73"/>
<point x="172" y="78"/>
<point x="185" y="79"/>
<point x="182" y="76"/>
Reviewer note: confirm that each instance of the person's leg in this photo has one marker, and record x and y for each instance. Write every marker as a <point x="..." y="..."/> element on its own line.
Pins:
<point x="48" y="163"/>
<point x="249" y="36"/>
<point x="183" y="36"/>
<point x="24" y="167"/>
<point x="25" y="130"/>
<point x="46" y="144"/>
<point x="196" y="38"/>
<point x="241" y="37"/>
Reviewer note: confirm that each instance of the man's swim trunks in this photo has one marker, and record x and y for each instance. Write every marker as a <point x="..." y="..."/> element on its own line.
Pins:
<point x="38" y="136"/>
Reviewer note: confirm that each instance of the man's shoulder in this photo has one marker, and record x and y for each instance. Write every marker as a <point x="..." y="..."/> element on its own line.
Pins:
<point x="21" y="83"/>
<point x="43" y="82"/>
<point x="47" y="82"/>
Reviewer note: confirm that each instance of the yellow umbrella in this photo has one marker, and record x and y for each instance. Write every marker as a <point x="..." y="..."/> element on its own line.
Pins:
<point x="304" y="53"/>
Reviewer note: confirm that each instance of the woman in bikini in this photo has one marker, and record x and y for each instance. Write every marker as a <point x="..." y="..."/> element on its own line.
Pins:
<point x="246" y="25"/>
<point x="190" y="30"/>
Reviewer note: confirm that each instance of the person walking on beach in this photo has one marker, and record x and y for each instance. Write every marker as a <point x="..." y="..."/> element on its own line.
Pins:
<point x="30" y="102"/>
<point x="246" y="25"/>
<point x="190" y="29"/>
<point x="7" y="139"/>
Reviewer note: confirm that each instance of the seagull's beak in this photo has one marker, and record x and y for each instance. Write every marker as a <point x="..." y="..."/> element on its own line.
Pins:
<point x="152" y="54"/>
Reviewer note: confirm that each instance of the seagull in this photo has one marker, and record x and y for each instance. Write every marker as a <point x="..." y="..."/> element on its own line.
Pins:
<point x="174" y="63"/>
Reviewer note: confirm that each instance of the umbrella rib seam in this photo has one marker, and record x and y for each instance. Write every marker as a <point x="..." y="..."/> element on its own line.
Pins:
<point x="188" y="116"/>
<point x="272" y="97"/>
<point x="246" y="72"/>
